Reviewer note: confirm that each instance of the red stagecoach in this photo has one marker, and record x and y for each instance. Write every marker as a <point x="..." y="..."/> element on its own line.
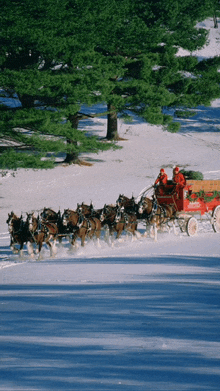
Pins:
<point x="198" y="198"/>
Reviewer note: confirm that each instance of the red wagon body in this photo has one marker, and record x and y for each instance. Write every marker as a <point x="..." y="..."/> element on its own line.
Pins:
<point x="197" y="197"/>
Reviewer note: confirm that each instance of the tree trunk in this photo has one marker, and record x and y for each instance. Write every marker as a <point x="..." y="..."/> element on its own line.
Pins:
<point x="27" y="101"/>
<point x="74" y="156"/>
<point x="215" y="21"/>
<point x="112" y="123"/>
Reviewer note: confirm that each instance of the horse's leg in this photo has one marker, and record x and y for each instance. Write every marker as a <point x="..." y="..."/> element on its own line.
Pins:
<point x="40" y="240"/>
<point x="119" y="229"/>
<point x="155" y="231"/>
<point x="145" y="234"/>
<point x="39" y="247"/>
<point x="134" y="232"/>
<point x="53" y="247"/>
<point x="174" y="228"/>
<point x="13" y="248"/>
<point x="110" y="237"/>
<point x="106" y="234"/>
<point x="152" y="231"/>
<point x="47" y="241"/>
<point x="83" y="235"/>
<point x="98" y="234"/>
<point x="97" y="231"/>
<point x="21" y="252"/>
<point x="30" y="249"/>
<point x="73" y="240"/>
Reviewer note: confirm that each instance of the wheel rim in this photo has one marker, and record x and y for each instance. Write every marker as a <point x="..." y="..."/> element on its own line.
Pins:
<point x="192" y="226"/>
<point x="216" y="219"/>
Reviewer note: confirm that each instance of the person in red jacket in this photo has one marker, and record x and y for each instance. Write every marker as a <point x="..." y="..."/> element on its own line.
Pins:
<point x="161" y="181"/>
<point x="162" y="178"/>
<point x="178" y="178"/>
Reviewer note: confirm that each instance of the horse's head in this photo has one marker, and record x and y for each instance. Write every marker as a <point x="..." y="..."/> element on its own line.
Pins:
<point x="119" y="200"/>
<point x="14" y="222"/>
<point x="79" y="208"/>
<point x="119" y="213"/>
<point x="32" y="222"/>
<point x="145" y="205"/>
<point x="104" y="213"/>
<point x="10" y="216"/>
<point x="81" y="220"/>
<point x="67" y="215"/>
<point x="49" y="214"/>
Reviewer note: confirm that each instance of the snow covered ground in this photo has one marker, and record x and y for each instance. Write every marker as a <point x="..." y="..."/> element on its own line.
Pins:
<point x="141" y="315"/>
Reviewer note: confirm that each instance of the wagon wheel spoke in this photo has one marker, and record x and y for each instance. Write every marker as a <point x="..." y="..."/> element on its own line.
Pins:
<point x="192" y="226"/>
<point x="216" y="219"/>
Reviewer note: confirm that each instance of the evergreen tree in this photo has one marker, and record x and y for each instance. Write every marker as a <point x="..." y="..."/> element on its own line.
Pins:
<point x="56" y="56"/>
<point x="153" y="78"/>
<point x="44" y="58"/>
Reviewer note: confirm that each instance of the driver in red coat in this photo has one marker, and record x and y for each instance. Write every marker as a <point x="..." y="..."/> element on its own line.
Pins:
<point x="161" y="180"/>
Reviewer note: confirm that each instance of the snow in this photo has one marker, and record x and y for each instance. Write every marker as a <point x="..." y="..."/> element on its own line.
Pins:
<point x="139" y="315"/>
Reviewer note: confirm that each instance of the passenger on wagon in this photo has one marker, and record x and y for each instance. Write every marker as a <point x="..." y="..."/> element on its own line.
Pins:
<point x="178" y="179"/>
<point x="161" y="180"/>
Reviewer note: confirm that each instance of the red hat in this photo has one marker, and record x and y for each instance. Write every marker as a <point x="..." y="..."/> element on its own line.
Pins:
<point x="162" y="170"/>
<point x="176" y="170"/>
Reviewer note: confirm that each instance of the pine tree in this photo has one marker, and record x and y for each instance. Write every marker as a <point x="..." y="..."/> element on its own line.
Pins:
<point x="56" y="56"/>
<point x="147" y="35"/>
<point x="44" y="59"/>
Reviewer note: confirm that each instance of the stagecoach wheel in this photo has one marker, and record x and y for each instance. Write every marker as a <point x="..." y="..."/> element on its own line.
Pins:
<point x="216" y="219"/>
<point x="192" y="226"/>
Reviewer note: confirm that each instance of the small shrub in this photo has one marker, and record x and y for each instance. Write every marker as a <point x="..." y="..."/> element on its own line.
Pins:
<point x="196" y="175"/>
<point x="173" y="127"/>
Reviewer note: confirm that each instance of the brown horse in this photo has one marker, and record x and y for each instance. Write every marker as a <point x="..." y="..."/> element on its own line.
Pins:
<point x="76" y="224"/>
<point x="129" y="204"/>
<point x="51" y="216"/>
<point x="18" y="230"/>
<point x="93" y="218"/>
<point x="118" y="221"/>
<point x="42" y="231"/>
<point x="86" y="210"/>
<point x="155" y="215"/>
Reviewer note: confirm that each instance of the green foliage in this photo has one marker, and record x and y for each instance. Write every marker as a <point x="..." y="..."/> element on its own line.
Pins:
<point x="185" y="113"/>
<point x="57" y="55"/>
<point x="196" y="175"/>
<point x="173" y="127"/>
<point x="206" y="196"/>
<point x="12" y="160"/>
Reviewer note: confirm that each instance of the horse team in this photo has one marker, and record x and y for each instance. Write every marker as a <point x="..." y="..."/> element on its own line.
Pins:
<point x="86" y="223"/>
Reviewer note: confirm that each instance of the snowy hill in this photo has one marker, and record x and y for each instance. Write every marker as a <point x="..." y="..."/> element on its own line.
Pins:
<point x="139" y="315"/>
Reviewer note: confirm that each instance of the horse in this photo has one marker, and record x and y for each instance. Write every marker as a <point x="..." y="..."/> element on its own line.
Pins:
<point x="86" y="210"/>
<point x="42" y="231"/>
<point x="156" y="215"/>
<point x="129" y="204"/>
<point x="93" y="218"/>
<point x="77" y="224"/>
<point x="50" y="215"/>
<point x="18" y="230"/>
<point x="118" y="221"/>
